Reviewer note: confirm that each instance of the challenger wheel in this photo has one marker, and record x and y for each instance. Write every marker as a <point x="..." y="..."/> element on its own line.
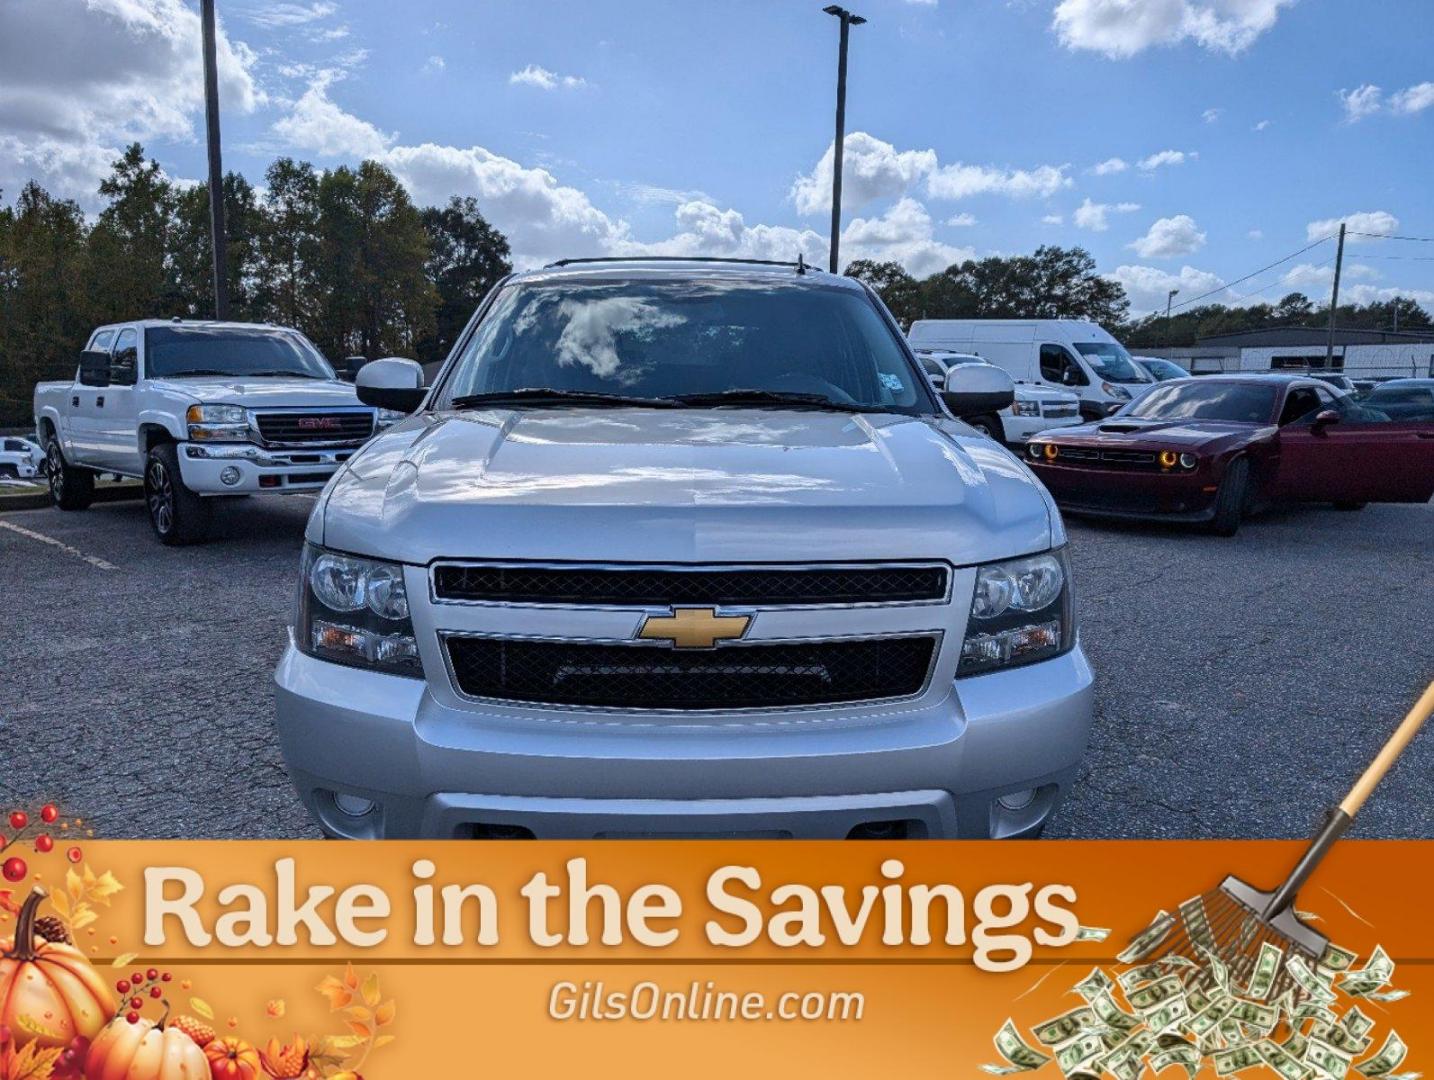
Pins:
<point x="1231" y="499"/>
<point x="71" y="488"/>
<point x="178" y="515"/>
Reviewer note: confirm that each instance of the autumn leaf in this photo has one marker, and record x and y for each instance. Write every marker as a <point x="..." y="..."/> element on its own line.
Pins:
<point x="359" y="1013"/>
<point x="371" y="993"/>
<point x="276" y="1008"/>
<point x="202" y="1007"/>
<point x="337" y="993"/>
<point x="84" y="915"/>
<point x="74" y="885"/>
<point x="351" y="979"/>
<point x="363" y="1031"/>
<point x="61" y="903"/>
<point x="384" y="1014"/>
<point x="339" y="1042"/>
<point x="123" y="960"/>
<point x="33" y="1063"/>
<point x="383" y="1040"/>
<point x="7" y="902"/>
<point x="103" y="888"/>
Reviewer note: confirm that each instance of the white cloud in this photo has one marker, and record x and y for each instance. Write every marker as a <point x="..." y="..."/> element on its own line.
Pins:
<point x="1211" y="115"/>
<point x="317" y="124"/>
<point x="1256" y="234"/>
<point x="1110" y="165"/>
<point x="706" y="229"/>
<point x="1122" y="28"/>
<point x="1147" y="286"/>
<point x="1375" y="222"/>
<point x="1320" y="277"/>
<point x="276" y="14"/>
<point x="961" y="221"/>
<point x="543" y="79"/>
<point x="1360" y="102"/>
<point x="958" y="181"/>
<point x="1095" y="216"/>
<point x="871" y="169"/>
<point x="80" y="78"/>
<point x="1413" y="99"/>
<point x="434" y="65"/>
<point x="1169" y="237"/>
<point x="1368" y="294"/>
<point x="1165" y="157"/>
<point x="1053" y="219"/>
<point x="903" y="234"/>
<point x="1261" y="125"/>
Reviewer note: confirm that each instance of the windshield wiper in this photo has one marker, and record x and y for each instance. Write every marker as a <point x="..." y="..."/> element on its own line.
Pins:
<point x="776" y="399"/>
<point x="541" y="395"/>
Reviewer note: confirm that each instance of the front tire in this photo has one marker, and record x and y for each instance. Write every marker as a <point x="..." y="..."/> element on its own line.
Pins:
<point x="989" y="426"/>
<point x="71" y="488"/>
<point x="178" y="515"/>
<point x="1231" y="499"/>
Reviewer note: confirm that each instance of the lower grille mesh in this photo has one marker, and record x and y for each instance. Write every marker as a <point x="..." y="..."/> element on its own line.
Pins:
<point x="653" y="677"/>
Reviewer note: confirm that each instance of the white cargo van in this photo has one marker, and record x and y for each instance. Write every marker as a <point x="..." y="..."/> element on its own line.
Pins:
<point x="1066" y="353"/>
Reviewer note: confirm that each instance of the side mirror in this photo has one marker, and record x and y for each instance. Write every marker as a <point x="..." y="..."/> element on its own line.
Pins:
<point x="391" y="383"/>
<point x="94" y="368"/>
<point x="350" y="368"/>
<point x="1325" y="417"/>
<point x="974" y="389"/>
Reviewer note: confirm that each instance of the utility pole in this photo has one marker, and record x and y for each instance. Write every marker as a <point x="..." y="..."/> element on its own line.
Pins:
<point x="216" y="167"/>
<point x="848" y="20"/>
<point x="1169" y="348"/>
<point x="1334" y="300"/>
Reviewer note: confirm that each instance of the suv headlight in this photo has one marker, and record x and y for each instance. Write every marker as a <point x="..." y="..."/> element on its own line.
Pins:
<point x="355" y="611"/>
<point x="1020" y="613"/>
<point x="217" y="423"/>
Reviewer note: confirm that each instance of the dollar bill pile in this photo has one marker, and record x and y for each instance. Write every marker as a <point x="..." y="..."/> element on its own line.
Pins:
<point x="1193" y="1012"/>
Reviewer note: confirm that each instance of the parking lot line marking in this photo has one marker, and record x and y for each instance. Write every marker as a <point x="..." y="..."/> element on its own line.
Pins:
<point x="76" y="552"/>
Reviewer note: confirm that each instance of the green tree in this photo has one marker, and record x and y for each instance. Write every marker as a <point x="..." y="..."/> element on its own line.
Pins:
<point x="130" y="242"/>
<point x="1054" y="283"/>
<point x="289" y="244"/>
<point x="191" y="252"/>
<point x="466" y="258"/>
<point x="898" y="290"/>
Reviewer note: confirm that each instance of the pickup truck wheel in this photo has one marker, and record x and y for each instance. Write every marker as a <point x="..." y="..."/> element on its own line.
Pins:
<point x="10" y="471"/>
<point x="178" y="515"/>
<point x="71" y="488"/>
<point x="1231" y="499"/>
<point x="989" y="426"/>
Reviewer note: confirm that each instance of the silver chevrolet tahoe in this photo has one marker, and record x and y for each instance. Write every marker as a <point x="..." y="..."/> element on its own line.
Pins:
<point x="682" y="548"/>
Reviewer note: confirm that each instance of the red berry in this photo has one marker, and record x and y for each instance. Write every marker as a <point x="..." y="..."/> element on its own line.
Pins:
<point x="166" y="977"/>
<point x="74" y="854"/>
<point x="43" y="844"/>
<point x="152" y="974"/>
<point x="122" y="986"/>
<point x="3" y="841"/>
<point x="132" y="1017"/>
<point x="49" y="813"/>
<point x="14" y="869"/>
<point x="19" y="819"/>
<point x="136" y="1003"/>
<point x="155" y="991"/>
<point x="68" y="1057"/>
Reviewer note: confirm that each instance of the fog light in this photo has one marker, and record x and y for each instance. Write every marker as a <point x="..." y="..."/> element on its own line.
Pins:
<point x="353" y="805"/>
<point x="229" y="476"/>
<point x="1017" y="800"/>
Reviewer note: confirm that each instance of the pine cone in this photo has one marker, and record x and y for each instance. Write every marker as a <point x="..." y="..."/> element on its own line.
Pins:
<point x="52" y="929"/>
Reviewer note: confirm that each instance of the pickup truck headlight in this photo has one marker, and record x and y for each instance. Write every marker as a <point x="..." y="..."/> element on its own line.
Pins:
<point x="217" y="423"/>
<point x="388" y="417"/>
<point x="355" y="611"/>
<point x="1025" y="408"/>
<point x="1020" y="613"/>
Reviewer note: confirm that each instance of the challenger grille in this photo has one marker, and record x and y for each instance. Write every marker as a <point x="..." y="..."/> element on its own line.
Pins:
<point x="747" y="676"/>
<point x="613" y="586"/>
<point x="299" y="428"/>
<point x="1107" y="459"/>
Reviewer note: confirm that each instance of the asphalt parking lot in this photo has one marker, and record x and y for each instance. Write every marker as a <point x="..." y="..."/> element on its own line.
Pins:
<point x="1242" y="683"/>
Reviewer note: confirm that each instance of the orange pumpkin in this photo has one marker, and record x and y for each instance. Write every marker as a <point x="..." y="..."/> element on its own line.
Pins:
<point x="144" y="1051"/>
<point x="231" y="1058"/>
<point x="49" y="994"/>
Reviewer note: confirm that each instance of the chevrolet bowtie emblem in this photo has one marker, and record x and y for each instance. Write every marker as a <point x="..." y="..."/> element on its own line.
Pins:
<point x="694" y="628"/>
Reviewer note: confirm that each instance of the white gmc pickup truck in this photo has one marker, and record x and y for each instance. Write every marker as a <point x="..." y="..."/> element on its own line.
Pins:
<point x="198" y="410"/>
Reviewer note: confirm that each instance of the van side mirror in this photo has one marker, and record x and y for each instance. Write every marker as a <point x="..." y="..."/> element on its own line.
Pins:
<point x="974" y="389"/>
<point x="94" y="368"/>
<point x="391" y="383"/>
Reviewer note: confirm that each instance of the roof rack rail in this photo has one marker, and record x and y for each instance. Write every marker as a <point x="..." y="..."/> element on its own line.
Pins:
<point x="799" y="265"/>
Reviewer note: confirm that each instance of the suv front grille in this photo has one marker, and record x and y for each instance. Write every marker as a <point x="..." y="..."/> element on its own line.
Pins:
<point x="645" y="587"/>
<point x="297" y="428"/>
<point x="747" y="676"/>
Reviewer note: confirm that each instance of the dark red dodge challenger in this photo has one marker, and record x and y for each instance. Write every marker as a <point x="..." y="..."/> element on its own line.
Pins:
<point x="1215" y="448"/>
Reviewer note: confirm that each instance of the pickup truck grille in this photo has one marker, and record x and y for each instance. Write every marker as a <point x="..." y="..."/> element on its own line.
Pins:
<point x="304" y="428"/>
<point x="1060" y="412"/>
<point x="641" y="586"/>
<point x="746" y="676"/>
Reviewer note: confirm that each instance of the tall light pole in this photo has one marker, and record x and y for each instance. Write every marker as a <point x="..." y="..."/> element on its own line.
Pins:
<point x="848" y="20"/>
<point x="216" y="167"/>
<point x="1169" y="348"/>
<point x="1334" y="300"/>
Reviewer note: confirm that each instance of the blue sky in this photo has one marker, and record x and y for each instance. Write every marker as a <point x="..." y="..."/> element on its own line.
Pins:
<point x="1185" y="143"/>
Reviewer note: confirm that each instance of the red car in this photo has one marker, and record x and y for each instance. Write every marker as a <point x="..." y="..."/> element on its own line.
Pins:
<point x="1213" y="449"/>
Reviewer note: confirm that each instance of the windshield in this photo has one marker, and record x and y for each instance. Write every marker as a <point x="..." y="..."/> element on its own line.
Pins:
<point x="1111" y="362"/>
<point x="1164" y="369"/>
<point x="171" y="351"/>
<point x="1251" y="403"/>
<point x="669" y="339"/>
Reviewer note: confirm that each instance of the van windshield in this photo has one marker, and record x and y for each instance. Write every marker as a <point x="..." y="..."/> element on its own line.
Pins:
<point x="1111" y="362"/>
<point x="661" y="341"/>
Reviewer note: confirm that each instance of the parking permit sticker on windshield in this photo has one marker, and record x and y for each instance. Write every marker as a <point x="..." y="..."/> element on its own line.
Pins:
<point x="892" y="382"/>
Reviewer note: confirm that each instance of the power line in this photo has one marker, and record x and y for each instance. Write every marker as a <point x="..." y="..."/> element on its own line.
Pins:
<point x="1227" y="285"/>
<point x="1394" y="236"/>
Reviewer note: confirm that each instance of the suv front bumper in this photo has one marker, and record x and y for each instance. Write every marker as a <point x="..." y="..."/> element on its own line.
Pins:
<point x="912" y="769"/>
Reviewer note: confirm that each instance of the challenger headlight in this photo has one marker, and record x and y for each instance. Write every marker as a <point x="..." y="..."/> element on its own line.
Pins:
<point x="355" y="611"/>
<point x="1020" y="613"/>
<point x="226" y="423"/>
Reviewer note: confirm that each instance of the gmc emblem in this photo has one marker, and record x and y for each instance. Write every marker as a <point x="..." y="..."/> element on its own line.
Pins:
<point x="317" y="423"/>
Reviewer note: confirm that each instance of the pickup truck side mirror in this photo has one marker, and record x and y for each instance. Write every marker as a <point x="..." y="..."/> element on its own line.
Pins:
<point x="973" y="389"/>
<point x="391" y="383"/>
<point x="94" y="368"/>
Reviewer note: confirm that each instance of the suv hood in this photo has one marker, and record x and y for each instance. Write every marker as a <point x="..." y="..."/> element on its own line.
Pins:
<point x="695" y="485"/>
<point x="273" y="391"/>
